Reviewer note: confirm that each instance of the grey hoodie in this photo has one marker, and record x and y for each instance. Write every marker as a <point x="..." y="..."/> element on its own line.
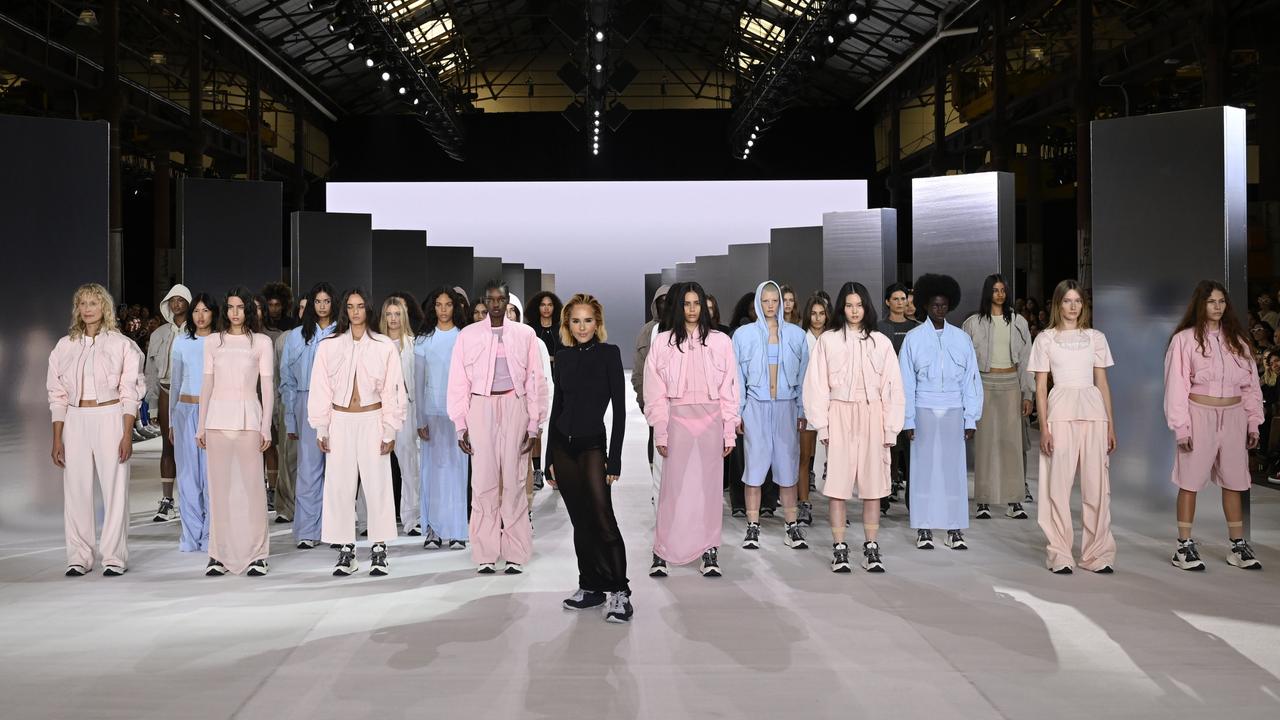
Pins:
<point x="159" y="346"/>
<point x="642" y="345"/>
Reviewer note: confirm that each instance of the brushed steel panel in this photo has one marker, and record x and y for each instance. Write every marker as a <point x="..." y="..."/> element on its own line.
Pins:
<point x="686" y="272"/>
<point x="1168" y="210"/>
<point x="748" y="267"/>
<point x="860" y="246"/>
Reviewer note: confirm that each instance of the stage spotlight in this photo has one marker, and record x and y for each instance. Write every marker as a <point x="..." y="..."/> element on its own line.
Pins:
<point x="852" y="18"/>
<point x="385" y="76"/>
<point x="753" y="136"/>
<point x="599" y="67"/>
<point x="597" y="123"/>
<point x="401" y="90"/>
<point x="351" y="45"/>
<point x="599" y="36"/>
<point x="368" y="62"/>
<point x="597" y="113"/>
<point x="751" y="143"/>
<point x="595" y="152"/>
<point x="416" y="101"/>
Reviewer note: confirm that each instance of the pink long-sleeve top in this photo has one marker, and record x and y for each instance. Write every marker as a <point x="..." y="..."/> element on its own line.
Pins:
<point x="473" y="363"/>
<point x="102" y="368"/>
<point x="233" y="367"/>
<point x="1070" y="357"/>
<point x="1212" y="370"/>
<point x="371" y="365"/>
<point x="848" y="367"/>
<point x="692" y="374"/>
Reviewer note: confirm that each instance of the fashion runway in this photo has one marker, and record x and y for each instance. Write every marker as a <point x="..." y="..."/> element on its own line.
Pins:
<point x="987" y="633"/>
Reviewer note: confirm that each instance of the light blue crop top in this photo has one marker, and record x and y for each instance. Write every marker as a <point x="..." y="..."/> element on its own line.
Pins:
<point x="773" y="353"/>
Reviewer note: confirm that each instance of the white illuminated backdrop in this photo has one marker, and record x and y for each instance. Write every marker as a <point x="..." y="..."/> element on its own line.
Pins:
<point x="598" y="237"/>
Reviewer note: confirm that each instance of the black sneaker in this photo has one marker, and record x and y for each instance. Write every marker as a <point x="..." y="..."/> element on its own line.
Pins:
<point x="1061" y="570"/>
<point x="1026" y="487"/>
<point x="485" y="569"/>
<point x="118" y="570"/>
<point x="955" y="540"/>
<point x="658" y="568"/>
<point x="1186" y="556"/>
<point x="378" y="560"/>
<point x="924" y="539"/>
<point x="282" y="519"/>
<point x="984" y="512"/>
<point x="804" y="515"/>
<point x="739" y="512"/>
<point x="711" y="563"/>
<point x="793" y="537"/>
<point x="1241" y="555"/>
<point x="584" y="599"/>
<point x="433" y="541"/>
<point x="76" y="571"/>
<point x="752" y="539"/>
<point x="364" y="532"/>
<point x="457" y="544"/>
<point x="618" y="608"/>
<point x="884" y="507"/>
<point x="766" y="512"/>
<point x="165" y="511"/>
<point x="840" y="558"/>
<point x="415" y="531"/>
<point x="258" y="568"/>
<point x="347" y="564"/>
<point x="306" y="544"/>
<point x="271" y="499"/>
<point x="215" y="568"/>
<point x="538" y="480"/>
<point x="1015" y="512"/>
<point x="871" y="557"/>
<point x="514" y="569"/>
<point x="335" y="546"/>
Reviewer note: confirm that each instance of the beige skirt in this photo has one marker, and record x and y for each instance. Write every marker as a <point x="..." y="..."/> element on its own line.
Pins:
<point x="237" y="498"/>
<point x="999" y="461"/>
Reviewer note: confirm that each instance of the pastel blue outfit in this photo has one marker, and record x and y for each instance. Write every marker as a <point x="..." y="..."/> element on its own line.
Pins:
<point x="770" y="434"/>
<point x="186" y="377"/>
<point x="443" y="465"/>
<point x="296" y="362"/>
<point x="943" y="394"/>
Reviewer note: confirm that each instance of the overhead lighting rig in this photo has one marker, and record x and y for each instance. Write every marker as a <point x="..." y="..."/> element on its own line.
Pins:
<point x="593" y="77"/>
<point x="384" y="48"/>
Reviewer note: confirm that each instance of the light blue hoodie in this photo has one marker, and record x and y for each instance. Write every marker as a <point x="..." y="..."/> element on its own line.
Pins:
<point x="751" y="348"/>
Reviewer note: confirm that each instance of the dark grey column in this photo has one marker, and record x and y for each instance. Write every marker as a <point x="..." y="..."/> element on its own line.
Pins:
<point x="229" y="234"/>
<point x="485" y="269"/>
<point x="713" y="273"/>
<point x="449" y="266"/>
<point x="336" y="248"/>
<point x="796" y="259"/>
<point x="399" y="263"/>
<point x="748" y="267"/>
<point x="513" y="274"/>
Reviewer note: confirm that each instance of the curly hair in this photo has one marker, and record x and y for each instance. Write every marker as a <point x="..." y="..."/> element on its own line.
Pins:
<point x="932" y="285"/>
<point x="109" y="324"/>
<point x="532" y="316"/>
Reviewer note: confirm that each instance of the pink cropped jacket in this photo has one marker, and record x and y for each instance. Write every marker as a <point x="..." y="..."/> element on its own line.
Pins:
<point x="372" y="365"/>
<point x="1214" y="371"/>
<point x="666" y="373"/>
<point x="831" y="377"/>
<point x="116" y="373"/>
<point x="471" y="370"/>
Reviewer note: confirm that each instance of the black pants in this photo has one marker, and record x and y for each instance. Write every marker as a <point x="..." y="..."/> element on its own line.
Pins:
<point x="602" y="556"/>
<point x="900" y="466"/>
<point x="734" y="466"/>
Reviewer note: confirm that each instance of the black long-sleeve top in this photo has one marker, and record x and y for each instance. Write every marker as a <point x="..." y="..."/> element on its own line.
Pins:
<point x="550" y="336"/>
<point x="588" y="378"/>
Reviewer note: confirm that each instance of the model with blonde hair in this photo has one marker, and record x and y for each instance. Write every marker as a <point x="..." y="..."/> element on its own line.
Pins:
<point x="1077" y="432"/>
<point x="398" y="328"/>
<point x="94" y="387"/>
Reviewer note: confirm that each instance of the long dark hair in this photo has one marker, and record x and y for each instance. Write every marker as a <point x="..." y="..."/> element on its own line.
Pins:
<point x="461" y="310"/>
<point x="251" y="324"/>
<point x="714" y="306"/>
<point x="416" y="315"/>
<point x="1195" y="317"/>
<point x="675" y="311"/>
<point x="309" y="319"/>
<point x="210" y="303"/>
<point x="742" y="310"/>
<point x="533" y="318"/>
<point x="344" y="321"/>
<point x="984" y="303"/>
<point x="815" y="299"/>
<point x="281" y="292"/>
<point x="868" y="323"/>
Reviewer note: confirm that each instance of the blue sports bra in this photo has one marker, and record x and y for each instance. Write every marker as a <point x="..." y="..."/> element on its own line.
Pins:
<point x="773" y="353"/>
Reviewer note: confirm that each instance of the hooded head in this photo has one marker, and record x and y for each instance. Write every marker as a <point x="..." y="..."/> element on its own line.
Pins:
<point x="661" y="292"/>
<point x="776" y="295"/>
<point x="178" y="290"/>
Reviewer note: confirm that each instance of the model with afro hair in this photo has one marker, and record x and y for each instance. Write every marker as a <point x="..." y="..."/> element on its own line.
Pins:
<point x="930" y="286"/>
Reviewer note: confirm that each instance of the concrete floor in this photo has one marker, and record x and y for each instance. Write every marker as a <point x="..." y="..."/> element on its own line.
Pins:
<point x="984" y="634"/>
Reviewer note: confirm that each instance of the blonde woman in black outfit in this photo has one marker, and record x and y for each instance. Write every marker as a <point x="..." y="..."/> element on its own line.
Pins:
<point x="583" y="461"/>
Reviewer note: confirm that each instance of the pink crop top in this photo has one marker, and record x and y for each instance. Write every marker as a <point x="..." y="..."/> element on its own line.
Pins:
<point x="1214" y="371"/>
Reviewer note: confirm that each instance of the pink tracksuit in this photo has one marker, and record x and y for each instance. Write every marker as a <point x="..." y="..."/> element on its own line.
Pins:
<point x="853" y="396"/>
<point x="234" y="420"/>
<point x="498" y="396"/>
<point x="1077" y="419"/>
<point x="102" y="368"/>
<point x="691" y="400"/>
<point x="343" y="366"/>
<point x="1219" y="435"/>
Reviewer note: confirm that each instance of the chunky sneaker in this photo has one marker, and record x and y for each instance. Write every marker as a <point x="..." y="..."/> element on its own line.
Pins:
<point x="1026" y="487"/>
<point x="433" y="541"/>
<point x="258" y="568"/>
<point x="514" y="569"/>
<point x="282" y="519"/>
<point x="1186" y="556"/>
<point x="539" y="480"/>
<point x="1242" y="555"/>
<point x="215" y="568"/>
<point x="485" y="569"/>
<point x="531" y="521"/>
<point x="711" y="563"/>
<point x="752" y="539"/>
<point x="378" y="560"/>
<point x="1061" y="570"/>
<point x="584" y="599"/>
<point x="766" y="512"/>
<point x="794" y="537"/>
<point x="117" y="570"/>
<point x="871" y="557"/>
<point x="335" y="546"/>
<point x="457" y="544"/>
<point x="804" y="515"/>
<point x="924" y="539"/>
<point x="658" y="568"/>
<point x="955" y="540"/>
<point x="415" y="531"/>
<point x="75" y="571"/>
<point x="840" y="558"/>
<point x="165" y="511"/>
<point x="739" y="512"/>
<point x="618" y="608"/>
<point x="306" y="544"/>
<point x="346" y="561"/>
<point x="1016" y="512"/>
<point x="984" y="512"/>
<point x="271" y="499"/>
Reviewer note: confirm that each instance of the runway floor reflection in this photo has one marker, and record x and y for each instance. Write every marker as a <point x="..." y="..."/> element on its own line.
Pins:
<point x="988" y="633"/>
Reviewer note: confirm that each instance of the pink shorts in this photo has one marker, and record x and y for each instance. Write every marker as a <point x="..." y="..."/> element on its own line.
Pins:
<point x="1218" y="450"/>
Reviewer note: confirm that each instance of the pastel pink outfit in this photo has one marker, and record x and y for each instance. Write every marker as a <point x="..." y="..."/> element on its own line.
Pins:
<point x="853" y="397"/>
<point x="102" y="368"/>
<point x="691" y="400"/>
<point x="500" y="423"/>
<point x="234" y="420"/>
<point x="1219" y="435"/>
<point x="1077" y="418"/>
<point x="344" y="365"/>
